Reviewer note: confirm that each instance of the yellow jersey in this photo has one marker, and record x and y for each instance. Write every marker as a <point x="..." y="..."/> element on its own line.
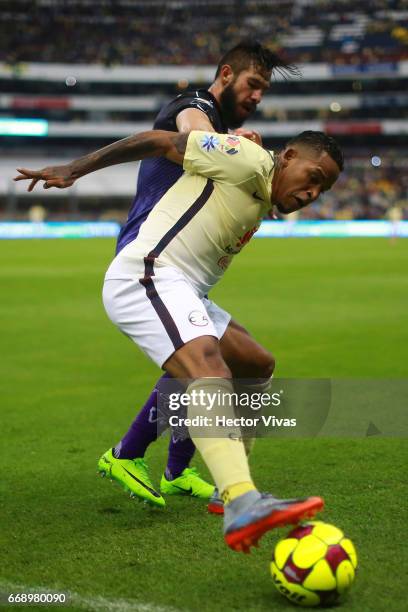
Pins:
<point x="210" y="213"/>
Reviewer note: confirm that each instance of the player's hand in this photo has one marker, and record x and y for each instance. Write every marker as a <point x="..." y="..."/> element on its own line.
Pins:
<point x="250" y="134"/>
<point x="53" y="176"/>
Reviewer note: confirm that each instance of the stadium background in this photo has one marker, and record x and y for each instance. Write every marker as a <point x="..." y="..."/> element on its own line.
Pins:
<point x="97" y="71"/>
<point x="84" y="73"/>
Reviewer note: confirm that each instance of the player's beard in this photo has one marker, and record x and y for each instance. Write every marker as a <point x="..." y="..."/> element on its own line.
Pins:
<point x="228" y="103"/>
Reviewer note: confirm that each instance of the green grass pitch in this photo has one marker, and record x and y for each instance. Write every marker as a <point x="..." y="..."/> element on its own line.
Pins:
<point x="71" y="385"/>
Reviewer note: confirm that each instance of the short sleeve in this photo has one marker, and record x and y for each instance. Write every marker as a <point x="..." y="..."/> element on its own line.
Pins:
<point x="227" y="158"/>
<point x="205" y="106"/>
<point x="166" y="119"/>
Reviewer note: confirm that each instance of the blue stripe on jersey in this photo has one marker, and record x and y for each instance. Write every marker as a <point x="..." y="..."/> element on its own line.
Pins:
<point x="178" y="226"/>
<point x="147" y="281"/>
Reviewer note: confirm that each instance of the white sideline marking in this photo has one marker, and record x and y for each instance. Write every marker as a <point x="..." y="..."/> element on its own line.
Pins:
<point x="98" y="603"/>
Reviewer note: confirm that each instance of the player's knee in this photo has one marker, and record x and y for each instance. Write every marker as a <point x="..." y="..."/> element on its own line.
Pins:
<point x="199" y="358"/>
<point x="245" y="356"/>
<point x="263" y="363"/>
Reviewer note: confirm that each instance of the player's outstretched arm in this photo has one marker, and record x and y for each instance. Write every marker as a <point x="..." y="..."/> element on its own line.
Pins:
<point x="155" y="143"/>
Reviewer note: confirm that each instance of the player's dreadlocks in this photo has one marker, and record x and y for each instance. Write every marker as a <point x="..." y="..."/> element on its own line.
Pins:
<point x="319" y="141"/>
<point x="251" y="52"/>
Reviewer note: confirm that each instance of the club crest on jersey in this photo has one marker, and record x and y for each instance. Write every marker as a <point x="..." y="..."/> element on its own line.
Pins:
<point x="209" y="142"/>
<point x="232" y="145"/>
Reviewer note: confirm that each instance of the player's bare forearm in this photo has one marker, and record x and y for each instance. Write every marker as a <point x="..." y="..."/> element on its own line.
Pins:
<point x="155" y="143"/>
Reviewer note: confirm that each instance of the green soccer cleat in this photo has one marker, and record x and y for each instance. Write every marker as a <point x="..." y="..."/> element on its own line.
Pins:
<point x="132" y="475"/>
<point x="188" y="483"/>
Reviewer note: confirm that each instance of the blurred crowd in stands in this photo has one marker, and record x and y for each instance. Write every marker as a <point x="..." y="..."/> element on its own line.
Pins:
<point x="117" y="32"/>
<point x="198" y="32"/>
<point x="365" y="191"/>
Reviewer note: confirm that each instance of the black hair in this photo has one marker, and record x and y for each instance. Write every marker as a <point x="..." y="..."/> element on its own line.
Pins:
<point x="251" y="52"/>
<point x="319" y="141"/>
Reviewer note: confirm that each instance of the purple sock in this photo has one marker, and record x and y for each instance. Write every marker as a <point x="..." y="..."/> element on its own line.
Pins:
<point x="180" y="454"/>
<point x="143" y="430"/>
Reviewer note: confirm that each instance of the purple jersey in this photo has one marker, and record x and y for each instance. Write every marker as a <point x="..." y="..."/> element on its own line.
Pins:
<point x="157" y="175"/>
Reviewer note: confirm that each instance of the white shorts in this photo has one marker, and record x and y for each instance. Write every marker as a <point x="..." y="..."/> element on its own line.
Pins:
<point x="160" y="313"/>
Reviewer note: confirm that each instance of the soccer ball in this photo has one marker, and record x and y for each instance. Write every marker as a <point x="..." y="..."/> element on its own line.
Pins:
<point x="314" y="565"/>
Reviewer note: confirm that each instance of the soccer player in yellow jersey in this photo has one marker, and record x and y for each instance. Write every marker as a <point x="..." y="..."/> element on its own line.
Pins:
<point x="155" y="288"/>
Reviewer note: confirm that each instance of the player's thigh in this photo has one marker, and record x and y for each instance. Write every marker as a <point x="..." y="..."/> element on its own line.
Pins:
<point x="199" y="358"/>
<point x="244" y="355"/>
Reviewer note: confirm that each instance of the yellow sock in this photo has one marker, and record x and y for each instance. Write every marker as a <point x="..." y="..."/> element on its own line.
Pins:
<point x="235" y="490"/>
<point x="224" y="454"/>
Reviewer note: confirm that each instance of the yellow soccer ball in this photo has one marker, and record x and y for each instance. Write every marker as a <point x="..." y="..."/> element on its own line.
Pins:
<point x="314" y="565"/>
